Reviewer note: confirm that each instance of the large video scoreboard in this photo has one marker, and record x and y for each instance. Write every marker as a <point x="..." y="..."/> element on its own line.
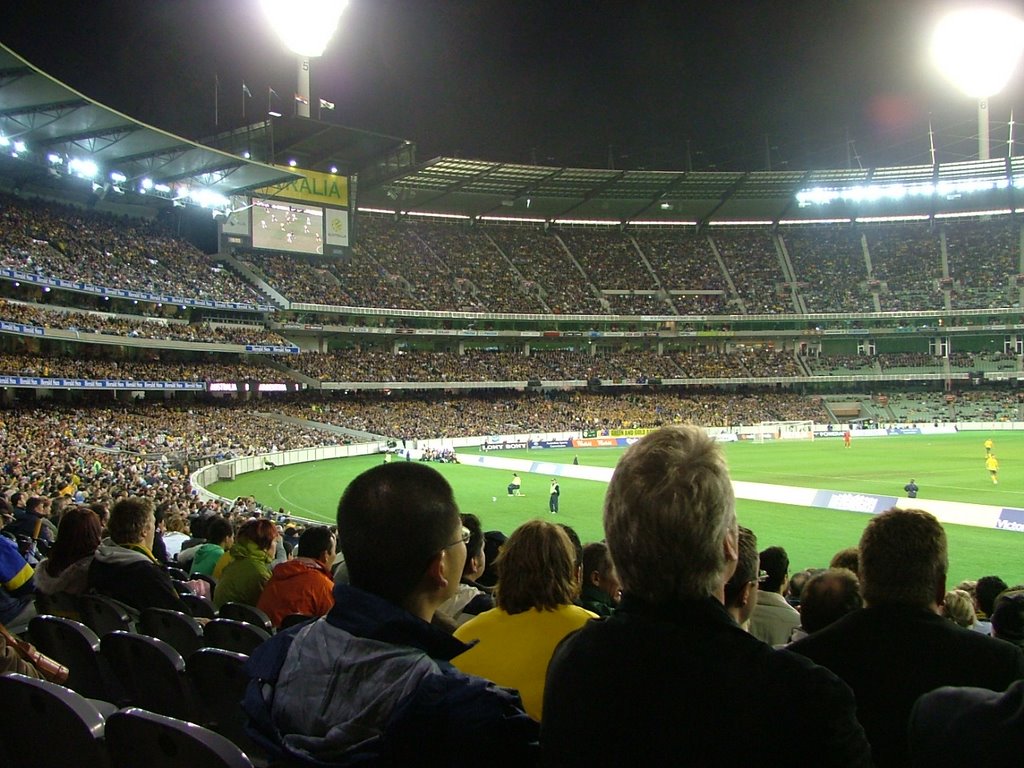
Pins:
<point x="310" y="215"/>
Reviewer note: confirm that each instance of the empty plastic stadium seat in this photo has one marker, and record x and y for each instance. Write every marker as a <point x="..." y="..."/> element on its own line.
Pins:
<point x="48" y="726"/>
<point x="140" y="739"/>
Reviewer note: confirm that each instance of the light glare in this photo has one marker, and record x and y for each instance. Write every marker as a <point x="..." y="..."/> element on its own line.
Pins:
<point x="978" y="50"/>
<point x="304" y="26"/>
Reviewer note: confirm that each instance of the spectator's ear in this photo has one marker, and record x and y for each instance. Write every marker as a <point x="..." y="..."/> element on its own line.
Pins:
<point x="746" y="596"/>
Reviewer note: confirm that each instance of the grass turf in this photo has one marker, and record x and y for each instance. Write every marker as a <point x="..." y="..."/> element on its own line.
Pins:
<point x="945" y="467"/>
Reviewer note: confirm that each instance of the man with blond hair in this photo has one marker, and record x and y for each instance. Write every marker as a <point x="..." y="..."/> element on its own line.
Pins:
<point x="898" y="647"/>
<point x="671" y="677"/>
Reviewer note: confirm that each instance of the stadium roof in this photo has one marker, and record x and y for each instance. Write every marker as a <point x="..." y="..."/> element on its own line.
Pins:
<point x="52" y="119"/>
<point x="482" y="189"/>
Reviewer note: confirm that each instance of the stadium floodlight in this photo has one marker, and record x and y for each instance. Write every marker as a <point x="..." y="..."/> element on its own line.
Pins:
<point x="4" y="141"/>
<point x="207" y="198"/>
<point x="146" y="183"/>
<point x="55" y="159"/>
<point x="117" y="177"/>
<point x="305" y="27"/>
<point x="87" y="169"/>
<point x="978" y="50"/>
<point x="19" y="146"/>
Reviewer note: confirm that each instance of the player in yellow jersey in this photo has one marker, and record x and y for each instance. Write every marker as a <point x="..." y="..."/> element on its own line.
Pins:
<point x="992" y="465"/>
<point x="988" y="447"/>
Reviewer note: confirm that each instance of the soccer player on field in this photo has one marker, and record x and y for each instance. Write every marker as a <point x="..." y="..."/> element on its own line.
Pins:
<point x="988" y="447"/>
<point x="992" y="465"/>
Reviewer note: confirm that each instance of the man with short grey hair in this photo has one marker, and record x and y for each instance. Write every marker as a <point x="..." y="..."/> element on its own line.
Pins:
<point x="671" y="677"/>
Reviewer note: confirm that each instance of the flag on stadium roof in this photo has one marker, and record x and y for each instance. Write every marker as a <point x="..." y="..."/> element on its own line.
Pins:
<point x="246" y="91"/>
<point x="325" y="104"/>
<point x="301" y="99"/>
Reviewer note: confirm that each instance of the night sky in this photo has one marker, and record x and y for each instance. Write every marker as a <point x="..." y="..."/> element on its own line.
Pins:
<point x="657" y="85"/>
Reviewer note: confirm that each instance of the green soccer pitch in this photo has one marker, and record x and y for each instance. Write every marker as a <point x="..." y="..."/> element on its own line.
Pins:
<point x="950" y="467"/>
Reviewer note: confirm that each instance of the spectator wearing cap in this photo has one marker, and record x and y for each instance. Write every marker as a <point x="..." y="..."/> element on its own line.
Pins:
<point x="773" y="619"/>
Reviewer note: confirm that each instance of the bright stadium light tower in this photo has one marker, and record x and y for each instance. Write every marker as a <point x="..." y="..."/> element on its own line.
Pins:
<point x="305" y="27"/>
<point x="978" y="49"/>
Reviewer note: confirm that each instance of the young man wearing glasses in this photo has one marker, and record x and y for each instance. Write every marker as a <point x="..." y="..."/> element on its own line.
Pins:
<point x="371" y="681"/>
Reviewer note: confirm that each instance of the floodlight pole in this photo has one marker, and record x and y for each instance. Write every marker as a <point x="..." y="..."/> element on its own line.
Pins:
<point x="983" y="143"/>
<point x="302" y="88"/>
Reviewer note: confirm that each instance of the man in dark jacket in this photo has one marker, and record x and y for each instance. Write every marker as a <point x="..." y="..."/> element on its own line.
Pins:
<point x="670" y="678"/>
<point x="898" y="647"/>
<point x="124" y="567"/>
<point x="371" y="681"/>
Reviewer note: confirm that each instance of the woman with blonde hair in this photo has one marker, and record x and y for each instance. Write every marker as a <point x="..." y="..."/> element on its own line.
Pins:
<point x="538" y="579"/>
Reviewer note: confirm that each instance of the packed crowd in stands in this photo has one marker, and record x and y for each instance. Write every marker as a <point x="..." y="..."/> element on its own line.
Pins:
<point x="116" y="252"/>
<point x="432" y="415"/>
<point x="68" y="367"/>
<point x="422" y="265"/>
<point x="828" y="265"/>
<point x="906" y="257"/>
<point x="135" y="327"/>
<point x="355" y="365"/>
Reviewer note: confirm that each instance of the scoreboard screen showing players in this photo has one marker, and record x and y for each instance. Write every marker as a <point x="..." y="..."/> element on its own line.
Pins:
<point x="280" y="226"/>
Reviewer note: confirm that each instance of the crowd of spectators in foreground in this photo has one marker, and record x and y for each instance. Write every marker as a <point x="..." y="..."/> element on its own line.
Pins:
<point x="441" y="267"/>
<point x="431" y="618"/>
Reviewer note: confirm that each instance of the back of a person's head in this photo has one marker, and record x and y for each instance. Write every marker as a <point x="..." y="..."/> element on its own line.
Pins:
<point x="827" y="597"/>
<point x="392" y="519"/>
<point x="217" y="529"/>
<point x="775" y="564"/>
<point x="986" y="591"/>
<point x="576" y="541"/>
<point x="797" y="582"/>
<point x="958" y="607"/>
<point x="667" y="511"/>
<point x="78" y="535"/>
<point x="747" y="567"/>
<point x="1008" y="619"/>
<point x="493" y="542"/>
<point x="128" y="519"/>
<point x="596" y="558"/>
<point x="36" y="503"/>
<point x="315" y="541"/>
<point x="475" y="545"/>
<point x="903" y="559"/>
<point x="848" y="558"/>
<point x="536" y="569"/>
<point x="259" y="531"/>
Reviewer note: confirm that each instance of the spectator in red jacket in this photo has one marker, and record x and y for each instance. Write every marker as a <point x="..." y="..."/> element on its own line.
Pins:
<point x="302" y="585"/>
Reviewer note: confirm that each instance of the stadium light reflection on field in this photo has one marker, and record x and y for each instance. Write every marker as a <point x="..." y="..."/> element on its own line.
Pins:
<point x="978" y="49"/>
<point x="305" y="27"/>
